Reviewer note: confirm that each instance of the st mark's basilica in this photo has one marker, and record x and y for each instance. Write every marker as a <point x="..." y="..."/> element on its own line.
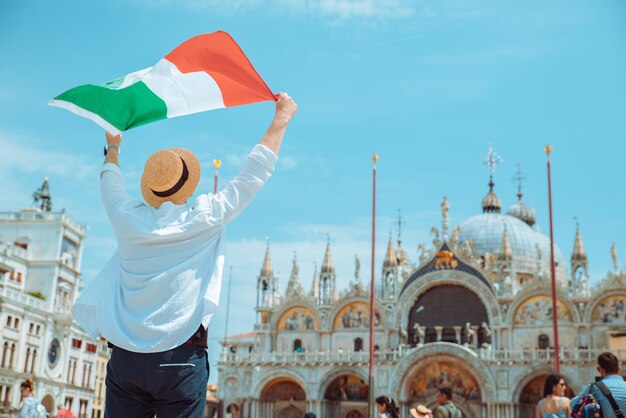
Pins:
<point x="473" y="313"/>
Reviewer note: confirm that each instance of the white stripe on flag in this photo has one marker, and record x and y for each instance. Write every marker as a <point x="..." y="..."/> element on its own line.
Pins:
<point x="183" y="93"/>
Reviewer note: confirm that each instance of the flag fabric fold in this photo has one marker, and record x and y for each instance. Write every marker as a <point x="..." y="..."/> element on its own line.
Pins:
<point x="205" y="72"/>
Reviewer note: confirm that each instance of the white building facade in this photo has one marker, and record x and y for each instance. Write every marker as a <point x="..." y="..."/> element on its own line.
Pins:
<point x="40" y="259"/>
<point x="472" y="313"/>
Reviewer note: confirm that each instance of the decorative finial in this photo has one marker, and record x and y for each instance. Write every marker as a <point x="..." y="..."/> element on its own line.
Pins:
<point x="357" y="268"/>
<point x="614" y="257"/>
<point x="492" y="160"/>
<point x="217" y="164"/>
<point x="400" y="223"/>
<point x="577" y="222"/>
<point x="548" y="150"/>
<point x="519" y="178"/>
<point x="375" y="158"/>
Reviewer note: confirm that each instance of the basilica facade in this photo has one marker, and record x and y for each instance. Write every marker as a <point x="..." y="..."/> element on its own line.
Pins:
<point x="472" y="313"/>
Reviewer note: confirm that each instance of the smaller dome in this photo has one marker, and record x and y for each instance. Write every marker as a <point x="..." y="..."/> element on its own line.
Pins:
<point x="491" y="203"/>
<point x="525" y="213"/>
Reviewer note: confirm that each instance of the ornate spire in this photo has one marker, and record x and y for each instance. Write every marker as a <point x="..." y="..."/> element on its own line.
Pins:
<point x="267" y="270"/>
<point x="445" y="222"/>
<point x="579" y="253"/>
<point x="491" y="202"/>
<point x="327" y="264"/>
<point x="42" y="198"/>
<point x="315" y="288"/>
<point x="294" y="286"/>
<point x="390" y="256"/>
<point x="506" y="253"/>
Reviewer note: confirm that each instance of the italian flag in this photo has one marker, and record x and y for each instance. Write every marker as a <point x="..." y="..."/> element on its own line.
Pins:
<point x="205" y="72"/>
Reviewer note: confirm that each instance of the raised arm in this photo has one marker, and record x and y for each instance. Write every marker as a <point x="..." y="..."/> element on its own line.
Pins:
<point x="113" y="144"/>
<point x="225" y="205"/>
<point x="285" y="109"/>
<point x="111" y="184"/>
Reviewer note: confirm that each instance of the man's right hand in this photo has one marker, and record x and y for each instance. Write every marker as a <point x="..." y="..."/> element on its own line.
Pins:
<point x="114" y="139"/>
<point x="285" y="109"/>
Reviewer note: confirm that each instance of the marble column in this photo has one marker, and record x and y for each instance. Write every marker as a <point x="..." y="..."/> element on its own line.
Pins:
<point x="457" y="334"/>
<point x="438" y="330"/>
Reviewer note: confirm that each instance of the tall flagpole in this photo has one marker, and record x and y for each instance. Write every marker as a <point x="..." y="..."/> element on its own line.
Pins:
<point x="555" y="319"/>
<point x="217" y="164"/>
<point x="372" y="410"/>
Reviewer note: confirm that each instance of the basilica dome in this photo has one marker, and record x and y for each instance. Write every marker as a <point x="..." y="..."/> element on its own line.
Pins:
<point x="530" y="249"/>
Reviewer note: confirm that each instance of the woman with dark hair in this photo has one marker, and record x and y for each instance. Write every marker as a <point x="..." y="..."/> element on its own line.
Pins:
<point x="553" y="404"/>
<point x="28" y="403"/>
<point x="387" y="407"/>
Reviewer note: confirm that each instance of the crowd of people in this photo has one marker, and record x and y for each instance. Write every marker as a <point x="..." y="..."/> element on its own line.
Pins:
<point x="607" y="394"/>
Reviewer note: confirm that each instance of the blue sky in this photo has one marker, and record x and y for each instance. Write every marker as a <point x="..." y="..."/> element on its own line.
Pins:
<point x="428" y="85"/>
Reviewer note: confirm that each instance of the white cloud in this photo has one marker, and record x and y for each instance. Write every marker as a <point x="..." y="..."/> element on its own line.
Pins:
<point x="333" y="9"/>
<point x="348" y="9"/>
<point x="288" y="162"/>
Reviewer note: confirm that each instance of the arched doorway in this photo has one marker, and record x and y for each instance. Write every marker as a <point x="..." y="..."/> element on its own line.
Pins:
<point x="346" y="394"/>
<point x="431" y="320"/>
<point x="48" y="402"/>
<point x="232" y="411"/>
<point x="355" y="414"/>
<point x="532" y="394"/>
<point x="282" y="398"/>
<point x="290" y="412"/>
<point x="427" y="376"/>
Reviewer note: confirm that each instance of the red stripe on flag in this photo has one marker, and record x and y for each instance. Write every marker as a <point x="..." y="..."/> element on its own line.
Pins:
<point x="219" y="55"/>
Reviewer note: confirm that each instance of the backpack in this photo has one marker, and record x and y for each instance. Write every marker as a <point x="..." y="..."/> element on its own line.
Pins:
<point x="587" y="405"/>
<point x="453" y="413"/>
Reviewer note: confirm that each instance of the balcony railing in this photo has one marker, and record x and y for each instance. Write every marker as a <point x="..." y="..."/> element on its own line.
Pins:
<point x="36" y="215"/>
<point x="23" y="298"/>
<point x="502" y="356"/>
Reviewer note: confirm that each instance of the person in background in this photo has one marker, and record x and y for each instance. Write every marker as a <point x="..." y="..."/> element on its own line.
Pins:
<point x="28" y="402"/>
<point x="421" y="412"/>
<point x="445" y="407"/>
<point x="387" y="407"/>
<point x="609" y="368"/>
<point x="554" y="404"/>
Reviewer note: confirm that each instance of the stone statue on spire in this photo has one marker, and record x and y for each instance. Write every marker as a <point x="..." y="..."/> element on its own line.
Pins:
<point x="614" y="257"/>
<point x="445" y="223"/>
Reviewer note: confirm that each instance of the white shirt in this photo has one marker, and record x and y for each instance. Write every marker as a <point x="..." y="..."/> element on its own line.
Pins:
<point x="165" y="278"/>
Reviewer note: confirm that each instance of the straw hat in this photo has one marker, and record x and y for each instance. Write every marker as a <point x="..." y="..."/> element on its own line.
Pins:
<point x="170" y="175"/>
<point x="421" y="412"/>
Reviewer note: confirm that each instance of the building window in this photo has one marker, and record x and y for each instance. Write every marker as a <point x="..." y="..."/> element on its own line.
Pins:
<point x="76" y="343"/>
<point x="38" y="329"/>
<point x="358" y="344"/>
<point x="297" y="346"/>
<point x="27" y="358"/>
<point x="32" y="364"/>
<point x="68" y="402"/>
<point x="91" y="348"/>
<point x="9" y="321"/>
<point x="544" y="342"/>
<point x="19" y="277"/>
<point x="12" y="356"/>
<point x="31" y="328"/>
<point x="5" y="348"/>
<point x="16" y="324"/>
<point x="7" y="395"/>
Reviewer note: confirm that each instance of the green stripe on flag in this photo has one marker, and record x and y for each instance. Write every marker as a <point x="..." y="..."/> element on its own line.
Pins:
<point x="125" y="108"/>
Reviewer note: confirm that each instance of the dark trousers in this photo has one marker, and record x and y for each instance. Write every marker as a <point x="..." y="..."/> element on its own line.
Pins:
<point x="169" y="384"/>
